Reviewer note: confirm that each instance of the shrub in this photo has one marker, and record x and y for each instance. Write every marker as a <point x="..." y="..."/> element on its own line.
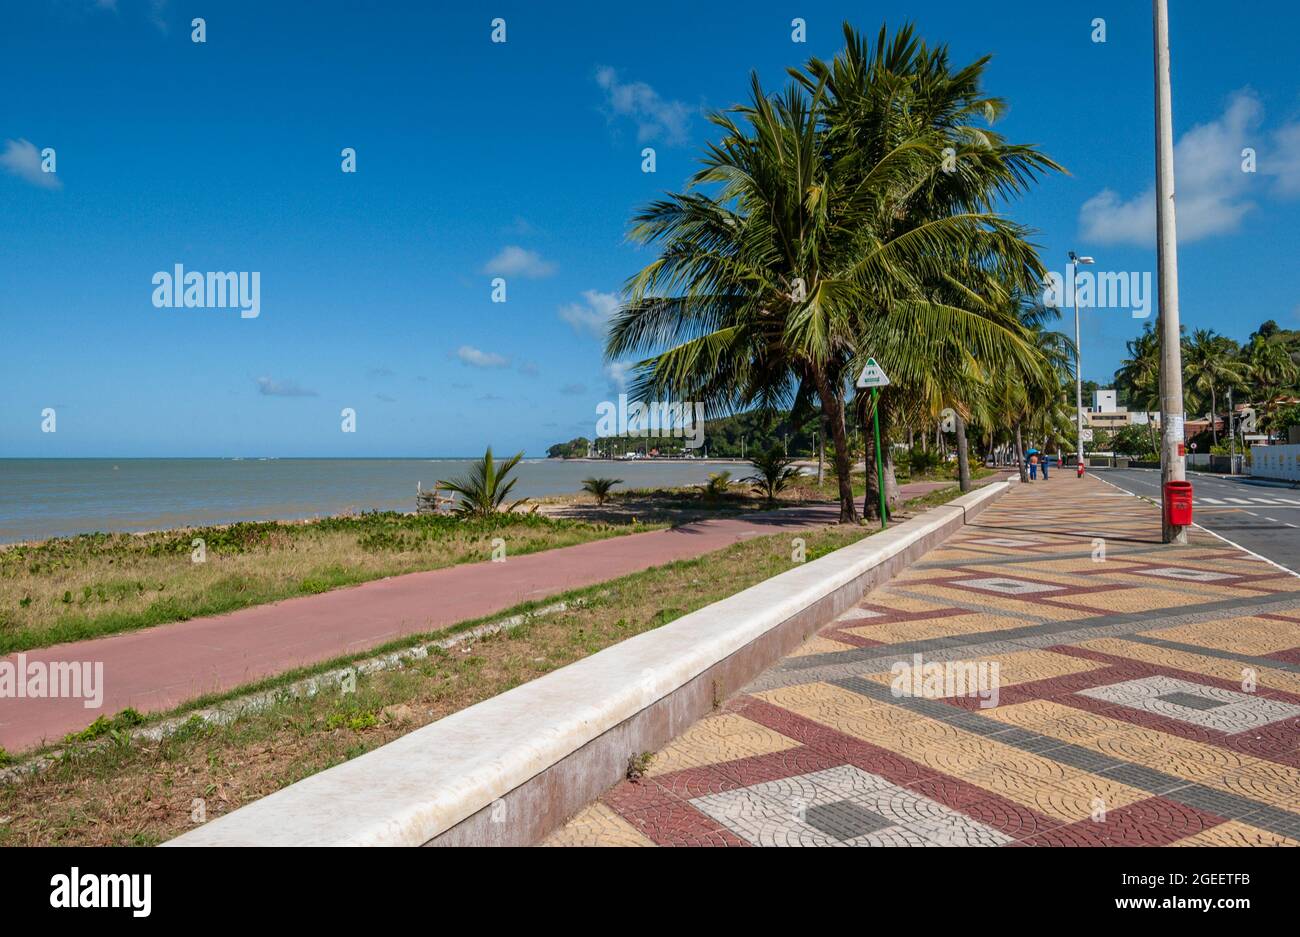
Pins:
<point x="600" y="487"/>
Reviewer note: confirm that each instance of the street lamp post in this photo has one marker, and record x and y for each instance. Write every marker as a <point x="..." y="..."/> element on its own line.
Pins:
<point x="1075" y="260"/>
<point x="1173" y="466"/>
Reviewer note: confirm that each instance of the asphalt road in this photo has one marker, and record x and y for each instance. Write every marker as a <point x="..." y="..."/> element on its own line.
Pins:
<point x="1261" y="516"/>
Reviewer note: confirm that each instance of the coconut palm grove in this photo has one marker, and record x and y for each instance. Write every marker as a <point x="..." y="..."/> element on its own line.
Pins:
<point x="867" y="209"/>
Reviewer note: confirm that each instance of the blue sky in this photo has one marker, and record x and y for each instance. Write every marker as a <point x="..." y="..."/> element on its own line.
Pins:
<point x="522" y="160"/>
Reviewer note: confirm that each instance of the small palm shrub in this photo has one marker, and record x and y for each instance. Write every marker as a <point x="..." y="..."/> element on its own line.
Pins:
<point x="600" y="487"/>
<point x="923" y="461"/>
<point x="485" y="488"/>
<point x="773" y="473"/>
<point x="717" y="485"/>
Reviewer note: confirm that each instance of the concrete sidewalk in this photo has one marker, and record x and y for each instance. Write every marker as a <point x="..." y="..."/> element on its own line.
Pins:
<point x="159" y="668"/>
<point x="1143" y="694"/>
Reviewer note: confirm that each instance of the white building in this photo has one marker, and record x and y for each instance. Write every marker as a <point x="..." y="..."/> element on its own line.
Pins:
<point x="1106" y="413"/>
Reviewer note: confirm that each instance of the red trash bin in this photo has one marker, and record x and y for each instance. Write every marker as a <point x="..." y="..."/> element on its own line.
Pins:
<point x="1178" y="503"/>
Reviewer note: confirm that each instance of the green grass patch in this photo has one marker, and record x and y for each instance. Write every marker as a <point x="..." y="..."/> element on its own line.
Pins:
<point x="74" y="588"/>
<point x="110" y="788"/>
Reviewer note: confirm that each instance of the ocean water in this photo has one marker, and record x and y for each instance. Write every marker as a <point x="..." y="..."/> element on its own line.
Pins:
<point x="42" y="498"/>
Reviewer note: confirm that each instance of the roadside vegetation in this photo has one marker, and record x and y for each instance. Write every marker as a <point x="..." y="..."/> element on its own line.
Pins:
<point x="1264" y="373"/>
<point x="110" y="788"/>
<point x="73" y="588"/>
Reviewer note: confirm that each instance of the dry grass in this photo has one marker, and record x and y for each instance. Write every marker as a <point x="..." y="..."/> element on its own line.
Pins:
<point x="80" y="587"/>
<point x="139" y="792"/>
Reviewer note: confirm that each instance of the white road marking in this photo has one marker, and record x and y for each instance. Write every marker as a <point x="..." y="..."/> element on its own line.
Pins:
<point x="1209" y="500"/>
<point x="1232" y="543"/>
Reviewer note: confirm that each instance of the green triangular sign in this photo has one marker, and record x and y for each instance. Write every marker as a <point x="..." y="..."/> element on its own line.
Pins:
<point x="873" y="375"/>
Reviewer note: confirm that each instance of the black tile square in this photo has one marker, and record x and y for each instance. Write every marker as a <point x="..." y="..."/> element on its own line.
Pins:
<point x="1191" y="700"/>
<point x="845" y="820"/>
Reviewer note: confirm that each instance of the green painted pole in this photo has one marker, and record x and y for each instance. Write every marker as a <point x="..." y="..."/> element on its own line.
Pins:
<point x="880" y="458"/>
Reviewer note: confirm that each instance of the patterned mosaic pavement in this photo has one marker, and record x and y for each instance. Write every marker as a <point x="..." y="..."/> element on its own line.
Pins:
<point x="1051" y="675"/>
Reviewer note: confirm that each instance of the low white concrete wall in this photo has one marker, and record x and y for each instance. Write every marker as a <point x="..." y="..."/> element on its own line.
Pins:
<point x="1280" y="462"/>
<point x="417" y="787"/>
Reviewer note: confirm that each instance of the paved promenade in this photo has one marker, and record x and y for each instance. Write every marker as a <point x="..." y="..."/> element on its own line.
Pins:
<point x="1145" y="695"/>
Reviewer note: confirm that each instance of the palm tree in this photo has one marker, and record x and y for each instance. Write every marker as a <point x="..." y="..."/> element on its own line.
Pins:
<point x="942" y="333"/>
<point x="1034" y="398"/>
<point x="484" y="489"/>
<point x="744" y="305"/>
<point x="600" y="487"/>
<point x="1211" y="364"/>
<point x="1271" y="368"/>
<point x="833" y="232"/>
<point x="772" y="473"/>
<point x="1139" y="375"/>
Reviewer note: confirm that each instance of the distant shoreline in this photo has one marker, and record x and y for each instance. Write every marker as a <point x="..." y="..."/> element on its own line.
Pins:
<point x="45" y="499"/>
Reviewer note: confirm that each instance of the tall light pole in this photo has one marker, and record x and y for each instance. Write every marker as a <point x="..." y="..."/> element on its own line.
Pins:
<point x="1173" y="467"/>
<point x="1075" y="260"/>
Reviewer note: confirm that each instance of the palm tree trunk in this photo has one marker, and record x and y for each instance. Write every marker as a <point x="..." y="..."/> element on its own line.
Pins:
<point x="1214" y="405"/>
<point x="871" y="499"/>
<point x="833" y="410"/>
<point x="893" y="496"/>
<point x="821" y="451"/>
<point x="963" y="457"/>
<point x="1020" y="456"/>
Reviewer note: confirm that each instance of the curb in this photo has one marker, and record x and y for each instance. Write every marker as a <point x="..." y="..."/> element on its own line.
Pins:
<point x="560" y="741"/>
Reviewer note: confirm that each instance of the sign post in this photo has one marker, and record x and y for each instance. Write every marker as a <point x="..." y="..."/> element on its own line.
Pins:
<point x="873" y="376"/>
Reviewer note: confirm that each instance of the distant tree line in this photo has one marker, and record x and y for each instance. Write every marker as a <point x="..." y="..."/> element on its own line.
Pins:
<point x="726" y="437"/>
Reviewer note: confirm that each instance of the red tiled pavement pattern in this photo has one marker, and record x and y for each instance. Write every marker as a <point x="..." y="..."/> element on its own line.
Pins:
<point x="1052" y="675"/>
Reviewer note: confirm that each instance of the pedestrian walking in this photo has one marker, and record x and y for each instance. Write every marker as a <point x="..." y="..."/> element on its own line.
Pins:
<point x="1033" y="467"/>
<point x="1046" y="460"/>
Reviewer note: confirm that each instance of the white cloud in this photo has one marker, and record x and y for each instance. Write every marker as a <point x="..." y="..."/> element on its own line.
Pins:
<point x="23" y="160"/>
<point x="481" y="359"/>
<point x="593" y="315"/>
<point x="655" y="117"/>
<point x="619" y="374"/>
<point x="269" y="387"/>
<point x="516" y="261"/>
<point x="1283" y="161"/>
<point x="1213" y="194"/>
